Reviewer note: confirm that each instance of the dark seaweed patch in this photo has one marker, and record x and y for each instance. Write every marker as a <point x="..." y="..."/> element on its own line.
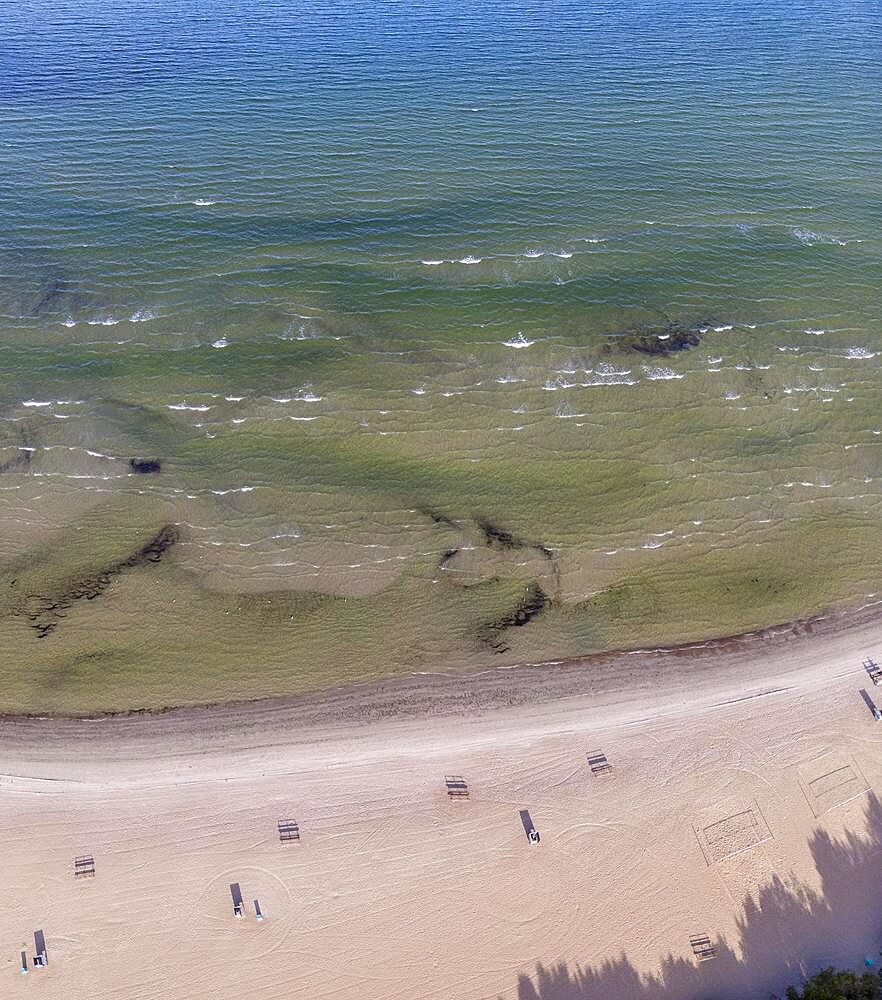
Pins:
<point x="438" y="517"/>
<point x="54" y="289"/>
<point x="671" y="338"/>
<point x="533" y="603"/>
<point x="44" y="612"/>
<point x="145" y="465"/>
<point x="22" y="459"/>
<point x="446" y="556"/>
<point x="499" y="537"/>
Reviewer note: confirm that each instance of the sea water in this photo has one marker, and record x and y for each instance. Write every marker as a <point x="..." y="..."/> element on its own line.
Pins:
<point x="363" y="280"/>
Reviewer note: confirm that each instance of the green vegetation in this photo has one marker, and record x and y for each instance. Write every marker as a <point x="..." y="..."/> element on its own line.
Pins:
<point x="828" y="984"/>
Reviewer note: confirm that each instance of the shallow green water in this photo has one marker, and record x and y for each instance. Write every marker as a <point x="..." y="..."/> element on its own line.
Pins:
<point x="342" y="270"/>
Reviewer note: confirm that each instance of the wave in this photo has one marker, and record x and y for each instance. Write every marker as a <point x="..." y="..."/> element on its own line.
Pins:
<point x="859" y="352"/>
<point x="106" y="321"/>
<point x="660" y="374"/>
<point x="534" y="254"/>
<point x="809" y="239"/>
<point x="203" y="202"/>
<point x="204" y="408"/>
<point x="142" y="316"/>
<point x="470" y="259"/>
<point x="222" y="342"/>
<point x="518" y="342"/>
<point x="432" y="263"/>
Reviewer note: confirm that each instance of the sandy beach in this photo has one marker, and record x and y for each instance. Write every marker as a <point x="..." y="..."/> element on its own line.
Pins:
<point x="739" y="807"/>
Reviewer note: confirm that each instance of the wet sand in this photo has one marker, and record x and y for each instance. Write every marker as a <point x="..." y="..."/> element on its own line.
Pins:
<point x="739" y="806"/>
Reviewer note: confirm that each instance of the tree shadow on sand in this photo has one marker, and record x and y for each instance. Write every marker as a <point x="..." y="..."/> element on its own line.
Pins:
<point x="786" y="931"/>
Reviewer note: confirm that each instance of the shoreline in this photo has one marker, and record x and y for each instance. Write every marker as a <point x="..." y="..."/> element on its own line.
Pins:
<point x="439" y="694"/>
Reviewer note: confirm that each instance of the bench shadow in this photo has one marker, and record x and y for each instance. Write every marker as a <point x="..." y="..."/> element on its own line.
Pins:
<point x="526" y="822"/>
<point x="786" y="932"/>
<point x="868" y="701"/>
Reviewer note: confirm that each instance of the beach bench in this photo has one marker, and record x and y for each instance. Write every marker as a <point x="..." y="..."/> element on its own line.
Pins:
<point x="457" y="786"/>
<point x="258" y="914"/>
<point x="598" y="763"/>
<point x="873" y="670"/>
<point x="288" y="830"/>
<point x="238" y="905"/>
<point x="84" y="866"/>
<point x="702" y="947"/>
<point x="41" y="959"/>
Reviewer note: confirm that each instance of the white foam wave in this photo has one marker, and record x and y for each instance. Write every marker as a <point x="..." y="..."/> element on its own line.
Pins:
<point x="204" y="408"/>
<point x="659" y="374"/>
<point x="815" y="333"/>
<point x="431" y="263"/>
<point x="809" y="239"/>
<point x="470" y="259"/>
<point x="238" y="489"/>
<point x="859" y="352"/>
<point x="142" y="316"/>
<point x="518" y="342"/>
<point x="203" y="202"/>
<point x="36" y="402"/>
<point x="105" y="321"/>
<point x="223" y="342"/>
<point x="70" y="321"/>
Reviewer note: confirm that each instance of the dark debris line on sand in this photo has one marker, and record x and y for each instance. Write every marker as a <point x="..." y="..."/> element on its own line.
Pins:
<point x="44" y="612"/>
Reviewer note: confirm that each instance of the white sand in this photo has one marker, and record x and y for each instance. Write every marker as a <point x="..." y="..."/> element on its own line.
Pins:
<point x="397" y="893"/>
